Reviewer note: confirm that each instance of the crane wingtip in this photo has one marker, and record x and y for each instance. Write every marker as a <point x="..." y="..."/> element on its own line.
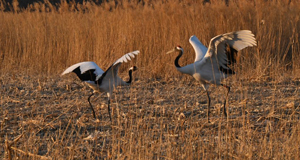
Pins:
<point x="193" y="37"/>
<point x="65" y="72"/>
<point x="136" y="52"/>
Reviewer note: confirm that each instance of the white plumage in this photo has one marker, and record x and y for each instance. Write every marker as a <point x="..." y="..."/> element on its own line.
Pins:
<point x="211" y="64"/>
<point x="85" y="66"/>
<point x="99" y="80"/>
<point x="199" y="48"/>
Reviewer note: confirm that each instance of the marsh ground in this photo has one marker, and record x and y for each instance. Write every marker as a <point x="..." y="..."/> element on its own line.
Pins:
<point x="152" y="119"/>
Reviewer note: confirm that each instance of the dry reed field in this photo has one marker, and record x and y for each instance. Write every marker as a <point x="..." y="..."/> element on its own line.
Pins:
<point x="162" y="115"/>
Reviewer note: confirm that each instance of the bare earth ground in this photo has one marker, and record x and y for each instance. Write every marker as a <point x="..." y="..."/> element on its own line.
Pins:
<point x="50" y="118"/>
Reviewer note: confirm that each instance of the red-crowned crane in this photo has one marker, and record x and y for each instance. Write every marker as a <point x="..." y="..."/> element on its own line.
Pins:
<point x="211" y="64"/>
<point x="101" y="81"/>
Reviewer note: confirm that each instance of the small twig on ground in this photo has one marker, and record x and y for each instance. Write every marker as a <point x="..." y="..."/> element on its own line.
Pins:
<point x="31" y="154"/>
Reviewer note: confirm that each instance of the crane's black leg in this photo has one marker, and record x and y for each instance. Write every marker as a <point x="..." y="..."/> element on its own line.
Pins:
<point x="91" y="105"/>
<point x="108" y="104"/>
<point x="224" y="106"/>
<point x="208" y="106"/>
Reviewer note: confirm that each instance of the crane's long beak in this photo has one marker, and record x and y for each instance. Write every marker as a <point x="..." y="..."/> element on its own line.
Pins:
<point x="171" y="51"/>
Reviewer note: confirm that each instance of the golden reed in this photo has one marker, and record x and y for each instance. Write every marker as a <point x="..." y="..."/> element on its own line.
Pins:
<point x="44" y="38"/>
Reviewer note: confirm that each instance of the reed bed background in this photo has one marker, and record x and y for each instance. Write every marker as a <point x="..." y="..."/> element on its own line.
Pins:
<point x="163" y="114"/>
<point x="45" y="39"/>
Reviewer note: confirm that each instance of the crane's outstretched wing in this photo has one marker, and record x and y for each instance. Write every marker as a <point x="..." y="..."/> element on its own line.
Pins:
<point x="199" y="48"/>
<point x="112" y="71"/>
<point x="237" y="41"/>
<point x="86" y="71"/>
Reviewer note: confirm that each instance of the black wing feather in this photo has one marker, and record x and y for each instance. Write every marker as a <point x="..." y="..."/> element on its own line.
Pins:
<point x="231" y="57"/>
<point x="99" y="81"/>
<point x="89" y="75"/>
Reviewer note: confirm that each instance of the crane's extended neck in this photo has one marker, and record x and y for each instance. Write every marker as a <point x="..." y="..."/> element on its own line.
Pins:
<point x="130" y="74"/>
<point x="130" y="77"/>
<point x="177" y="58"/>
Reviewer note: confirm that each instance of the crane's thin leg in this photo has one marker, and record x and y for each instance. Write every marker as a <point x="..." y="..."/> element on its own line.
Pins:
<point x="108" y="104"/>
<point x="208" y="105"/>
<point x="91" y="105"/>
<point x="224" y="106"/>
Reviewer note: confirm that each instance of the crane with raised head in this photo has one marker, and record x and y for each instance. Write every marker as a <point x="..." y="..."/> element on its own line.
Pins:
<point x="211" y="64"/>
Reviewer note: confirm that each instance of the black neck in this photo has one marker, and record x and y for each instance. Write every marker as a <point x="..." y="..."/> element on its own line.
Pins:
<point x="177" y="59"/>
<point x="130" y="77"/>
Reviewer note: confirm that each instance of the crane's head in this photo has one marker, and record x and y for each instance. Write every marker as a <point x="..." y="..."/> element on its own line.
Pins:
<point x="177" y="48"/>
<point x="133" y="68"/>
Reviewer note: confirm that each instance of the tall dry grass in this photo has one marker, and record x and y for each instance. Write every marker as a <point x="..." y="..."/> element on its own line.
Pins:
<point x="48" y="39"/>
